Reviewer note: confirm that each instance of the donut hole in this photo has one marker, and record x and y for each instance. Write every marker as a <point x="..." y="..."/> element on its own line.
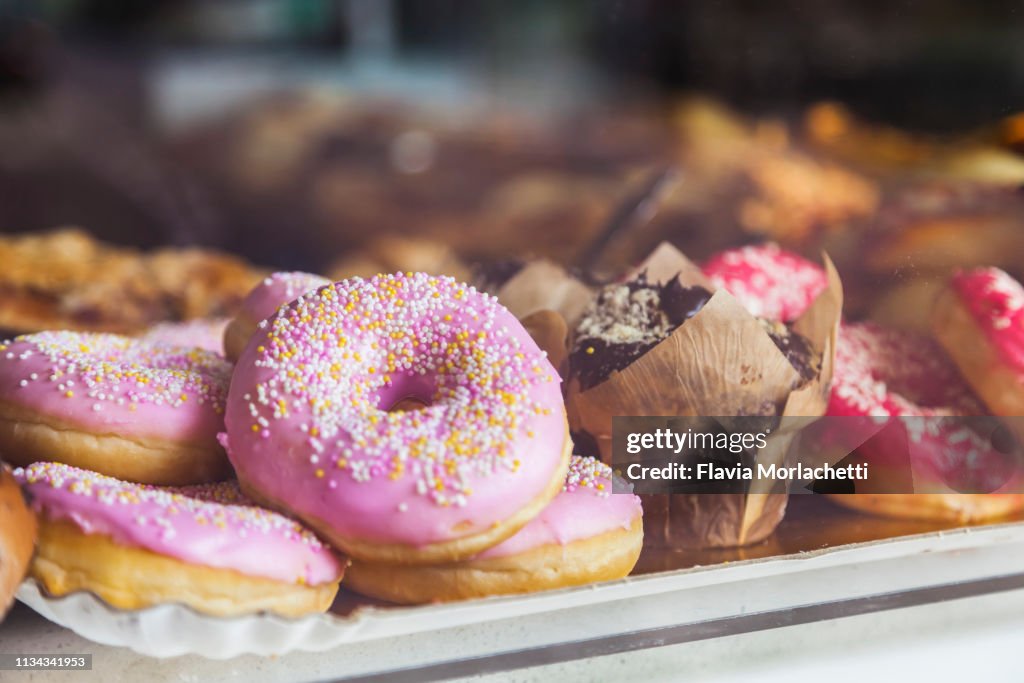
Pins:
<point x="407" y="394"/>
<point x="408" y="404"/>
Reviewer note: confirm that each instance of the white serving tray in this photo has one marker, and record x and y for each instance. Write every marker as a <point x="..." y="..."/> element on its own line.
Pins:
<point x="639" y="611"/>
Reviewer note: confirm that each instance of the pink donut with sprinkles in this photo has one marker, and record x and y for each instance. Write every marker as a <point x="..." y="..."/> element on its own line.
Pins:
<point x="586" y="534"/>
<point x="909" y="387"/>
<point x="203" y="333"/>
<point x="770" y="282"/>
<point x="979" y="319"/>
<point x="310" y="430"/>
<point x="137" y="410"/>
<point x="262" y="302"/>
<point x="206" y="546"/>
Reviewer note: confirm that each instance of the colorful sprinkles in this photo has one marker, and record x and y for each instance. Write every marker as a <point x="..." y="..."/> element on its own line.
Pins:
<point x="341" y="356"/>
<point x="106" y="369"/>
<point x="588" y="473"/>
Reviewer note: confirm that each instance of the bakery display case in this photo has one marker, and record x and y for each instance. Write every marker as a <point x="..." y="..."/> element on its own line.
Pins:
<point x="325" y="323"/>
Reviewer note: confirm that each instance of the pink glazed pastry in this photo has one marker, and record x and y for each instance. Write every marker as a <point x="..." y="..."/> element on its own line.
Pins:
<point x="310" y="428"/>
<point x="206" y="546"/>
<point x="203" y="333"/>
<point x="587" y="534"/>
<point x="770" y="283"/>
<point x="979" y="320"/>
<point x="275" y="291"/>
<point x="137" y="410"/>
<point x="923" y="429"/>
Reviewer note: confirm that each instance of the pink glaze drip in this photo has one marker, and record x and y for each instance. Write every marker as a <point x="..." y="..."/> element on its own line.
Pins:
<point x="109" y="384"/>
<point x="585" y="508"/>
<point x="882" y="373"/>
<point x="307" y="413"/>
<point x="276" y="290"/>
<point x="996" y="302"/>
<point x="203" y="333"/>
<point x="769" y="282"/>
<point x="213" y="525"/>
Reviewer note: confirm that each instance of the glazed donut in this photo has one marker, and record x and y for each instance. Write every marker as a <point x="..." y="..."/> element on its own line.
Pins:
<point x="137" y="410"/>
<point x="979" y="319"/>
<point x="205" y="546"/>
<point x="881" y="373"/>
<point x="585" y="535"/>
<point x="17" y="538"/>
<point x="203" y="333"/>
<point x="262" y="302"/>
<point x="770" y="283"/>
<point x="309" y="429"/>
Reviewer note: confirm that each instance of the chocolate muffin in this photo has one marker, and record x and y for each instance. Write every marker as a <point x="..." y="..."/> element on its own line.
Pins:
<point x="628" y="319"/>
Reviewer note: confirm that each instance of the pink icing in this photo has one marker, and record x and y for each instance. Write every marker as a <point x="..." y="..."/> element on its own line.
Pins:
<point x="307" y="413"/>
<point x="769" y="282"/>
<point x="884" y="373"/>
<point x="109" y="384"/>
<point x="213" y="525"/>
<point x="276" y="290"/>
<point x="585" y="508"/>
<point x="204" y="333"/>
<point x="996" y="302"/>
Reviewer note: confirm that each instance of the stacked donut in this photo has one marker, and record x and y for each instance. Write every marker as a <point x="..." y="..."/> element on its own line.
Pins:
<point x="405" y="421"/>
<point x="134" y="423"/>
<point x="414" y="494"/>
<point x="262" y="302"/>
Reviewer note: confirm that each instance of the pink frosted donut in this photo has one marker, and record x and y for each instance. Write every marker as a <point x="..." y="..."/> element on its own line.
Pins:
<point x="203" y="333"/>
<point x="262" y="302"/>
<point x="979" y="319"/>
<point x="586" y="534"/>
<point x="310" y="430"/>
<point x="140" y="411"/>
<point x="902" y="376"/>
<point x="769" y="282"/>
<point x="207" y="546"/>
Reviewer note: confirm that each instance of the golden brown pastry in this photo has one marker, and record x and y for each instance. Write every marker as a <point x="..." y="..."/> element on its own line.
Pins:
<point x="68" y="280"/>
<point x="586" y="534"/>
<point x="17" y="538"/>
<point x="205" y="546"/>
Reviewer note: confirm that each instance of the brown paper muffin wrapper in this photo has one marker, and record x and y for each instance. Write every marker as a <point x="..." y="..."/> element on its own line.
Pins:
<point x="543" y="285"/>
<point x="549" y="330"/>
<point x="720" y="362"/>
